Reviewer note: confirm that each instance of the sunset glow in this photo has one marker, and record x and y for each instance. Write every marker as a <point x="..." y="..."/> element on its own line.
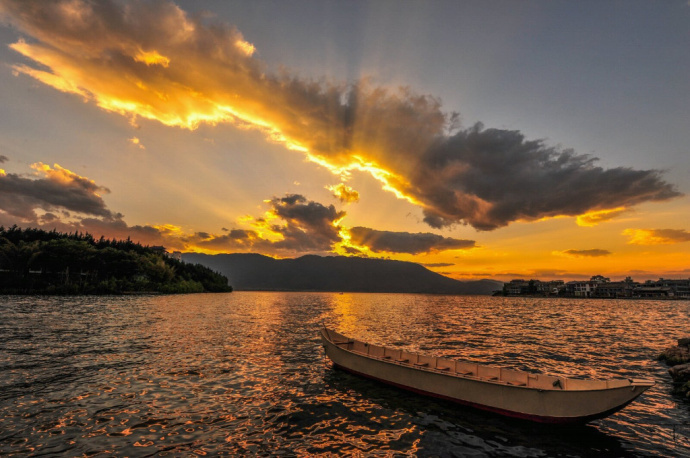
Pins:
<point x="211" y="132"/>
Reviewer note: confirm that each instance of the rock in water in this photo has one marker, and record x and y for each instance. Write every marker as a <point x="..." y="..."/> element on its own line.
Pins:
<point x="680" y="354"/>
<point x="681" y="378"/>
<point x="680" y="372"/>
<point x="679" y="358"/>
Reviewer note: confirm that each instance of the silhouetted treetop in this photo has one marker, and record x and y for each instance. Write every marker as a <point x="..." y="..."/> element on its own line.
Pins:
<point x="35" y="261"/>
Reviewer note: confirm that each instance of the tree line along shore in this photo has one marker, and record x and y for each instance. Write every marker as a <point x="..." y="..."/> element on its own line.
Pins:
<point x="35" y="261"/>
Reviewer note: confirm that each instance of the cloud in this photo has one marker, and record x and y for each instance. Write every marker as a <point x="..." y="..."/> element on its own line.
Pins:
<point x="596" y="217"/>
<point x="136" y="142"/>
<point x="3" y="159"/>
<point x="593" y="253"/>
<point x="491" y="177"/>
<point x="56" y="189"/>
<point x="292" y="224"/>
<point x="295" y="224"/>
<point x="152" y="60"/>
<point x="234" y="240"/>
<point x="405" y="242"/>
<point x="438" y="264"/>
<point x="656" y="236"/>
<point x="117" y="228"/>
<point x="353" y="251"/>
<point x="344" y="193"/>
<point x="57" y="198"/>
<point x="307" y="225"/>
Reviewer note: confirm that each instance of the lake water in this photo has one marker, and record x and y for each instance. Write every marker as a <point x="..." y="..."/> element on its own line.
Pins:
<point x="244" y="374"/>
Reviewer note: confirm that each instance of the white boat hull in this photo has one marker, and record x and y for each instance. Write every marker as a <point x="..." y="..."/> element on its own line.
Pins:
<point x="538" y="399"/>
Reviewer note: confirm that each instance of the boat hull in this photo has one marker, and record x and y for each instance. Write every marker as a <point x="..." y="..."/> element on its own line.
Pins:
<point x="528" y="403"/>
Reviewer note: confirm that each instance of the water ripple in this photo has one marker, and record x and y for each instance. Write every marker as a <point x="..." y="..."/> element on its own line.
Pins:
<point x="244" y="374"/>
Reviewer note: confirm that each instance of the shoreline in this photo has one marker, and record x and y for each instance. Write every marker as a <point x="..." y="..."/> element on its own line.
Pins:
<point x="660" y="298"/>
<point x="160" y="293"/>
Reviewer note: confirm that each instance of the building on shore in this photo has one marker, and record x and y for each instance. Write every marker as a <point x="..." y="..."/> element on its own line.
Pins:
<point x="599" y="286"/>
<point x="521" y="287"/>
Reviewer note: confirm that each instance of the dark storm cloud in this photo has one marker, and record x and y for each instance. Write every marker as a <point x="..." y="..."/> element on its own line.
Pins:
<point x="593" y="253"/>
<point x="240" y="234"/>
<point x="309" y="225"/>
<point x="48" y="218"/>
<point x="60" y="189"/>
<point x="405" y="242"/>
<point x="489" y="178"/>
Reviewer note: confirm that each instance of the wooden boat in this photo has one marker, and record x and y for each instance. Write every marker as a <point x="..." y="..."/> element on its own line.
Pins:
<point x="535" y="397"/>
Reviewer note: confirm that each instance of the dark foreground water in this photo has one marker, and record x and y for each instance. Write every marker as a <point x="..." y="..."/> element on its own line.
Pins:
<point x="244" y="374"/>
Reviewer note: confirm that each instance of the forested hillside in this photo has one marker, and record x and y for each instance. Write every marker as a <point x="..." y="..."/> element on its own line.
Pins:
<point x="34" y="261"/>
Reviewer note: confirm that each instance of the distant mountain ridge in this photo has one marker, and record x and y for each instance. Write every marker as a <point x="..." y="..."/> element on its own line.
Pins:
<point x="255" y="272"/>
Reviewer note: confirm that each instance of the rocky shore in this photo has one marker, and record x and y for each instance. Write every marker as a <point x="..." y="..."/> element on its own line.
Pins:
<point x="678" y="358"/>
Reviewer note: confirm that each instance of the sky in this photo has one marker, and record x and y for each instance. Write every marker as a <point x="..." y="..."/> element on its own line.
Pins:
<point x="481" y="139"/>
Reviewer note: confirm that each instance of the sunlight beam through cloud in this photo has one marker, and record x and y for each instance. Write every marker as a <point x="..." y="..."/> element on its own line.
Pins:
<point x="152" y="60"/>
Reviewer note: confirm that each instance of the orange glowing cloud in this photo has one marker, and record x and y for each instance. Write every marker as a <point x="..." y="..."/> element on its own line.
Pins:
<point x="67" y="178"/>
<point x="246" y="47"/>
<point x="153" y="61"/>
<point x="136" y="142"/>
<point x="344" y="193"/>
<point x="596" y="217"/>
<point x="55" y="189"/>
<point x="57" y="198"/>
<point x="591" y="253"/>
<point x="656" y="236"/>
<point x="151" y="58"/>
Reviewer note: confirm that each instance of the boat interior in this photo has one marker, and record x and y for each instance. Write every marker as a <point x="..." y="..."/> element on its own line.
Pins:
<point x="473" y="371"/>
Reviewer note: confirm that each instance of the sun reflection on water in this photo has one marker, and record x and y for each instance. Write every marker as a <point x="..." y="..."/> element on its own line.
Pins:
<point x="244" y="374"/>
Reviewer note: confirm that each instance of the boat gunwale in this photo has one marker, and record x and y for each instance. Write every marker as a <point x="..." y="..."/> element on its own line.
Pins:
<point x="475" y="378"/>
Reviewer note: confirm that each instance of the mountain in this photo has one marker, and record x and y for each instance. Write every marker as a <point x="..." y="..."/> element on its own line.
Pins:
<point x="256" y="272"/>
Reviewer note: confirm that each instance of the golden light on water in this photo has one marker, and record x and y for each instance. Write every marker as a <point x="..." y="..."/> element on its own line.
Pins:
<point x="244" y="373"/>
